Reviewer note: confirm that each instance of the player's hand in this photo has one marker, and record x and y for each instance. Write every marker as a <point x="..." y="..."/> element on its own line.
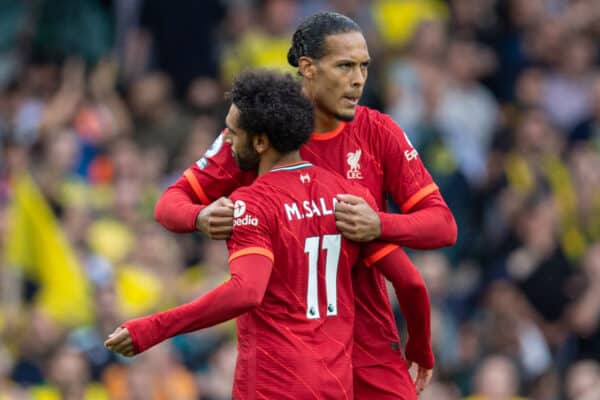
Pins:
<point x="355" y="218"/>
<point x="216" y="219"/>
<point x="120" y="342"/>
<point x="421" y="377"/>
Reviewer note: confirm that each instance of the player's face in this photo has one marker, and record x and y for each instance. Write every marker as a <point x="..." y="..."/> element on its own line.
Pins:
<point x="341" y="75"/>
<point x="246" y="157"/>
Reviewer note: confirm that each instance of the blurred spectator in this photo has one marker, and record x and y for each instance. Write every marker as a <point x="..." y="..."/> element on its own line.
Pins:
<point x="589" y="128"/>
<point x="396" y="21"/>
<point x="216" y="382"/>
<point x="156" y="375"/>
<point x="90" y="339"/>
<point x="159" y="120"/>
<point x="183" y="39"/>
<point x="567" y="92"/>
<point x="69" y="378"/>
<point x="583" y="381"/>
<point x="417" y="80"/>
<point x="584" y="314"/>
<point x="88" y="34"/>
<point x="440" y="391"/>
<point x="497" y="379"/>
<point x="510" y="328"/>
<point x="466" y="114"/>
<point x="265" y="42"/>
<point x="39" y="339"/>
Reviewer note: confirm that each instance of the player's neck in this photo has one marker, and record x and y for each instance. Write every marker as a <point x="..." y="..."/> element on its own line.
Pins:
<point x="325" y="122"/>
<point x="275" y="160"/>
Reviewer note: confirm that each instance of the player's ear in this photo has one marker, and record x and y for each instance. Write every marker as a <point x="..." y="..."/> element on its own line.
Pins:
<point x="261" y="143"/>
<point x="227" y="136"/>
<point x="307" y="67"/>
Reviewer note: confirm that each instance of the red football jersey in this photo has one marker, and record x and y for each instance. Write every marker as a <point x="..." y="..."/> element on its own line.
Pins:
<point x="298" y="343"/>
<point x="371" y="150"/>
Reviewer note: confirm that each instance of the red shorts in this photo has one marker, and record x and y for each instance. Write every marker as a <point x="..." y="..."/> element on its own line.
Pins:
<point x="389" y="381"/>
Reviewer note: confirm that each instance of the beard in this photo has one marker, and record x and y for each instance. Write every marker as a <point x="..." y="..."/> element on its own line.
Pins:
<point x="247" y="160"/>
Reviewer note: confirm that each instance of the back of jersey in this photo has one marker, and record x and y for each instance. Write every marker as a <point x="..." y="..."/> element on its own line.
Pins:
<point x="298" y="343"/>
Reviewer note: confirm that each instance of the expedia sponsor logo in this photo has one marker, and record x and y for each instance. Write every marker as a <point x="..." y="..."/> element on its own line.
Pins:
<point x="411" y="154"/>
<point x="247" y="220"/>
<point x="239" y="208"/>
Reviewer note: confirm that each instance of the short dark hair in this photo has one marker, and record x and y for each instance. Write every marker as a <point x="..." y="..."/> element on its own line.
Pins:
<point x="273" y="103"/>
<point x="309" y="38"/>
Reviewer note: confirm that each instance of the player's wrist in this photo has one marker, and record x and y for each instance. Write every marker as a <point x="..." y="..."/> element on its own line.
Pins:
<point x="422" y="355"/>
<point x="198" y="223"/>
<point x="383" y="225"/>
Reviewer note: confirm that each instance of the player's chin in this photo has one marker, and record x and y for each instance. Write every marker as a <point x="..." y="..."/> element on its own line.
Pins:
<point x="346" y="113"/>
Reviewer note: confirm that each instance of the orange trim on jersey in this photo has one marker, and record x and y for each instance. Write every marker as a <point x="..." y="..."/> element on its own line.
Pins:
<point x="379" y="254"/>
<point x="417" y="197"/>
<point x="261" y="251"/>
<point x="328" y="135"/>
<point x="191" y="178"/>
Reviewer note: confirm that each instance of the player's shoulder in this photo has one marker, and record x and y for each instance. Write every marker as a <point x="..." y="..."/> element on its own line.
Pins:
<point x="337" y="182"/>
<point x="373" y="122"/>
<point x="326" y="175"/>
<point x="262" y="191"/>
<point x="251" y="196"/>
<point x="364" y="113"/>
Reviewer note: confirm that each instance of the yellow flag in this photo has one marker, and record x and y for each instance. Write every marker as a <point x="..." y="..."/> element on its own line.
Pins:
<point x="37" y="244"/>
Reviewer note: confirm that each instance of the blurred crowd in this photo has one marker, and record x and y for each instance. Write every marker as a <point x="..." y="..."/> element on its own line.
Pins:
<point x="103" y="103"/>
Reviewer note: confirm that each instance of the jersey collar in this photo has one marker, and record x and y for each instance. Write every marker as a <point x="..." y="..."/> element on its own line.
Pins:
<point x="292" y="166"/>
<point x="330" y="134"/>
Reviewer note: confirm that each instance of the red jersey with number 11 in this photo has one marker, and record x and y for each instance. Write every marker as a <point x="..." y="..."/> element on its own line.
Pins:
<point x="298" y="343"/>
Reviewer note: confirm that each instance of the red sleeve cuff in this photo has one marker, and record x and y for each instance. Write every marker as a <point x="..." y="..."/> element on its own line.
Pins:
<point x="386" y="224"/>
<point x="130" y="325"/>
<point x="421" y="354"/>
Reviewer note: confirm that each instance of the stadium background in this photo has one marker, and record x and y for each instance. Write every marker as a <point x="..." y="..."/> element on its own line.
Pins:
<point x="103" y="103"/>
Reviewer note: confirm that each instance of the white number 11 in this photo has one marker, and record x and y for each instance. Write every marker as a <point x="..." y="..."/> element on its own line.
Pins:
<point x="331" y="244"/>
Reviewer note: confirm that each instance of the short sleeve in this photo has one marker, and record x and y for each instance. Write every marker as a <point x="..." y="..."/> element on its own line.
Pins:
<point x="405" y="177"/>
<point x="216" y="174"/>
<point x="251" y="227"/>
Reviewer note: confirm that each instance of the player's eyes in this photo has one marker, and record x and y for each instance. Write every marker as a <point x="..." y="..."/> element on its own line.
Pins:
<point x="346" y="66"/>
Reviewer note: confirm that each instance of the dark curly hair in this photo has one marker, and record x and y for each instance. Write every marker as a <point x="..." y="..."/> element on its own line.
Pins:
<point x="272" y="103"/>
<point x="309" y="38"/>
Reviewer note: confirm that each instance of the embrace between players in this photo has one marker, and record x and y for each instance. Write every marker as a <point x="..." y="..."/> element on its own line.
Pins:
<point x="306" y="171"/>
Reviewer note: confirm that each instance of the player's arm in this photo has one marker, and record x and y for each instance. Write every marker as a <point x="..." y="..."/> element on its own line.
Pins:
<point x="413" y="299"/>
<point x="194" y="201"/>
<point x="178" y="207"/>
<point x="426" y="222"/>
<point x="410" y="289"/>
<point x="243" y="291"/>
<point x="414" y="302"/>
